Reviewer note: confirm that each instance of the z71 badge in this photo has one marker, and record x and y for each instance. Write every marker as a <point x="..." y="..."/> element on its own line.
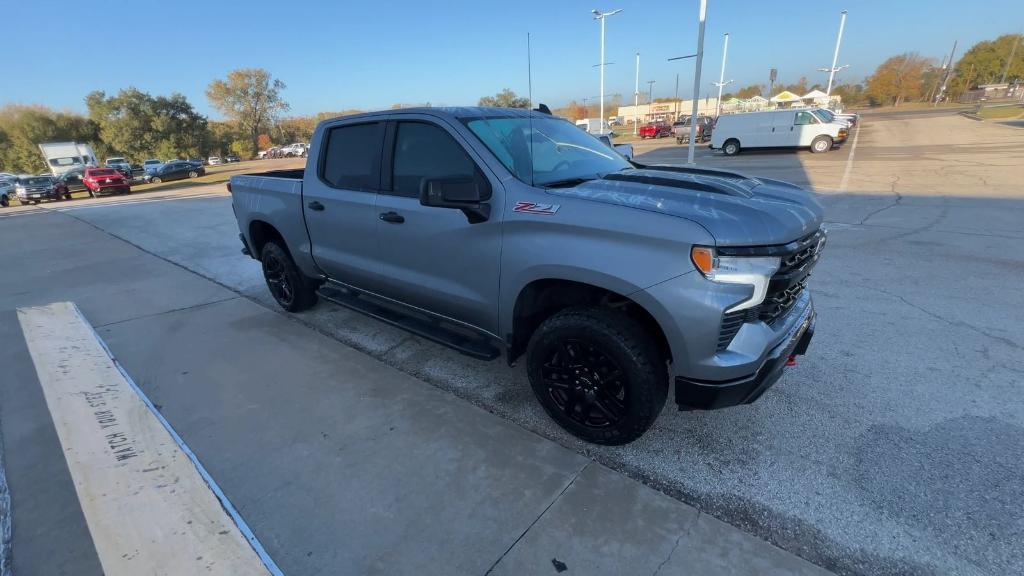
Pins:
<point x="534" y="208"/>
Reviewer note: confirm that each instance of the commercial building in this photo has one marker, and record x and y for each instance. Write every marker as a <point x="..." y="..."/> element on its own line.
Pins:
<point x="667" y="111"/>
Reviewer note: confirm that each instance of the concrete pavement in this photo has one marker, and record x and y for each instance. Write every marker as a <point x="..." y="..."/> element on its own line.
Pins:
<point x="338" y="463"/>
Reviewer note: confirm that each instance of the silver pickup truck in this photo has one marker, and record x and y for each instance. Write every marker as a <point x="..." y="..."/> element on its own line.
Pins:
<point x="497" y="231"/>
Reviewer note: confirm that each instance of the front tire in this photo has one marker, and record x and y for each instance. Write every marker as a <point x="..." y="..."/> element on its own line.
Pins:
<point x="821" y="144"/>
<point x="598" y="374"/>
<point x="731" y="147"/>
<point x="292" y="290"/>
<point x="155" y="180"/>
<point x="4" y="201"/>
<point x="193" y="174"/>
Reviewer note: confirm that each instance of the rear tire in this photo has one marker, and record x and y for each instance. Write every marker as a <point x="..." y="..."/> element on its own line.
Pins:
<point x="4" y="201"/>
<point x="193" y="174"/>
<point x="731" y="147"/>
<point x="155" y="180"/>
<point x="821" y="144"/>
<point x="289" y="287"/>
<point x="598" y="374"/>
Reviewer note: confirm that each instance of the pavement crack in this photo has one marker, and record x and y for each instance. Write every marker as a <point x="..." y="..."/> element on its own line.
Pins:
<point x="896" y="202"/>
<point x="171" y="311"/>
<point x="539" y="516"/>
<point x="956" y="323"/>
<point x="670" y="553"/>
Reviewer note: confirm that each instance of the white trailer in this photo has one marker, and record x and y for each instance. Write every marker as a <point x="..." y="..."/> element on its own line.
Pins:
<point x="64" y="156"/>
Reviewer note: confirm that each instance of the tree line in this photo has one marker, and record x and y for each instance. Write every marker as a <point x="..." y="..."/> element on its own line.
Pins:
<point x="138" y="125"/>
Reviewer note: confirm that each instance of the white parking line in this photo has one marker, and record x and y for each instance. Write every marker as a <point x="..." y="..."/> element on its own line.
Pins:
<point x="849" y="162"/>
<point x="150" y="505"/>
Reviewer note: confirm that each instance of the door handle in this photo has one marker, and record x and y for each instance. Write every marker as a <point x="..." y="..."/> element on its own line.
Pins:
<point x="314" y="205"/>
<point x="393" y="217"/>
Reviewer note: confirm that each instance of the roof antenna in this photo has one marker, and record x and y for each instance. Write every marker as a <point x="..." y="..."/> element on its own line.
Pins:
<point x="529" y="95"/>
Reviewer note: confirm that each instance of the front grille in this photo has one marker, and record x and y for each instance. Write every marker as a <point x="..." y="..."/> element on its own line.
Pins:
<point x="797" y="260"/>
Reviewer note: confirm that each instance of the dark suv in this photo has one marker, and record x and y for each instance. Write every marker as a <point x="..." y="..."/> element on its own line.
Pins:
<point x="681" y="129"/>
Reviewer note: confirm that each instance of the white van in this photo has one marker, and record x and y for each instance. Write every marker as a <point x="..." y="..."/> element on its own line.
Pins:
<point x="775" y="129"/>
<point x="594" y="125"/>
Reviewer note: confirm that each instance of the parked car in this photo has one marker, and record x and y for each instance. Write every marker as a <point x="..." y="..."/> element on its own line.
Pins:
<point x="294" y="150"/>
<point x="105" y="181"/>
<point x="176" y="170"/>
<point x="121" y="165"/>
<point x="73" y="180"/>
<point x="775" y="129"/>
<point x="33" y="189"/>
<point x="6" y="192"/>
<point x="232" y="158"/>
<point x="214" y="161"/>
<point x="150" y="165"/>
<point x="493" y="230"/>
<point x="681" y="129"/>
<point x="655" y="130"/>
<point x="826" y="115"/>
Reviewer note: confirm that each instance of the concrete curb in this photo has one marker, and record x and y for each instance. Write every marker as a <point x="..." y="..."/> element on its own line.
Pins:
<point x="5" y="516"/>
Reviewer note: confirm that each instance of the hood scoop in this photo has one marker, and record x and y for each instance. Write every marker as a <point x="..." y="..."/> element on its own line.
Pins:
<point x="695" y="181"/>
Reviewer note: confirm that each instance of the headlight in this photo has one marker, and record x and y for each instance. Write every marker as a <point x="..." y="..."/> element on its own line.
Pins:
<point x="755" y="271"/>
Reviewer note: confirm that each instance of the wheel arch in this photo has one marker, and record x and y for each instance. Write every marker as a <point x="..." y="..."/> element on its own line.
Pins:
<point x="540" y="299"/>
<point x="260" y="232"/>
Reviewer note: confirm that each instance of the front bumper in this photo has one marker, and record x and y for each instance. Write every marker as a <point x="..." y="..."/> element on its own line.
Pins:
<point x="707" y="395"/>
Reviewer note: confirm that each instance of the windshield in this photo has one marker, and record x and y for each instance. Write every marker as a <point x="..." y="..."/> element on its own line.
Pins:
<point x="66" y="161"/>
<point x="823" y="115"/>
<point x="115" y="161"/>
<point x="151" y="162"/>
<point x="560" y="151"/>
<point x="36" y="181"/>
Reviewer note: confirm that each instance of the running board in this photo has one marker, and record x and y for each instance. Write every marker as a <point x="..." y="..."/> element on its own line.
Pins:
<point x="428" y="328"/>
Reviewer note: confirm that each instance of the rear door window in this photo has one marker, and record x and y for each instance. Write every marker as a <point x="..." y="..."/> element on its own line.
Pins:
<point x="351" y="158"/>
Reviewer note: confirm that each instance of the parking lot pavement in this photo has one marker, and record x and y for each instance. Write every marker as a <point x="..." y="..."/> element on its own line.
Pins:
<point x="897" y="445"/>
<point x="337" y="462"/>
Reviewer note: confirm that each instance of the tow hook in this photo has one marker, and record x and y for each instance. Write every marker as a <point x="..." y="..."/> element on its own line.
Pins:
<point x="791" y="361"/>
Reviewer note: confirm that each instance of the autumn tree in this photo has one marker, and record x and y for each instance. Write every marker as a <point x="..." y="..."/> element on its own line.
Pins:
<point x="897" y="79"/>
<point x="850" y="94"/>
<point x="505" y="99"/>
<point x="251" y="99"/>
<point x="750" y="91"/>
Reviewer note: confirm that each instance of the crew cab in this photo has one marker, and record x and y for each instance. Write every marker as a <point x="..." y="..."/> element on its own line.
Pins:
<point x="33" y="189"/>
<point x="105" y="181"/>
<point x="655" y="130"/>
<point x="510" y="232"/>
<point x="681" y="129"/>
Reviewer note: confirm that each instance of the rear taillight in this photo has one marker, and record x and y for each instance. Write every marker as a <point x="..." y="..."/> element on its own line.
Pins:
<point x="229" y="186"/>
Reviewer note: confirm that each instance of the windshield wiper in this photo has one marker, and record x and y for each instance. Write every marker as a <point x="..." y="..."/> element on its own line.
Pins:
<point x="567" y="183"/>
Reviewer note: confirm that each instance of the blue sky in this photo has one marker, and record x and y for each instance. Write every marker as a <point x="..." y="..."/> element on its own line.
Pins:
<point x="343" y="54"/>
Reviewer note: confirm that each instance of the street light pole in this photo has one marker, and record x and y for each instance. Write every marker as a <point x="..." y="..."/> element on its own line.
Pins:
<point x="636" y="95"/>
<point x="721" y="77"/>
<point x="835" y="55"/>
<point x="598" y="15"/>
<point x="650" y="93"/>
<point x="691" y="149"/>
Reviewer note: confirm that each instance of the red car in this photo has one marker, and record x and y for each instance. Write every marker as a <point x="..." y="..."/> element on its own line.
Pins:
<point x="105" y="181"/>
<point x="655" y="130"/>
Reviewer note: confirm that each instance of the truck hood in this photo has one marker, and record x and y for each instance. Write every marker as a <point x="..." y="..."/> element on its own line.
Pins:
<point x="737" y="210"/>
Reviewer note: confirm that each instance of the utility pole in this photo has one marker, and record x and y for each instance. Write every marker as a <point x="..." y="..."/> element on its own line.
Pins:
<point x="1013" y="51"/>
<point x="650" y="93"/>
<point x="835" y="55"/>
<point x="945" y="77"/>
<point x="602" y="16"/>
<point x="696" y="81"/>
<point x="721" y="78"/>
<point x="636" y="96"/>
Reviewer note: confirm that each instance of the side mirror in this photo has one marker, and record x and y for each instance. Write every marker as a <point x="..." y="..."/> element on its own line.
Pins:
<point x="466" y="194"/>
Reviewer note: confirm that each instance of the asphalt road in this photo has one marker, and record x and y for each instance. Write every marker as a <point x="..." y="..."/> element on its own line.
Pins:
<point x="897" y="445"/>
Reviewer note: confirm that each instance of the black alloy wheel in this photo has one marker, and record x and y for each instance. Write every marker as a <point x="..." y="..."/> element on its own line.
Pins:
<point x="278" y="282"/>
<point x="585" y="384"/>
